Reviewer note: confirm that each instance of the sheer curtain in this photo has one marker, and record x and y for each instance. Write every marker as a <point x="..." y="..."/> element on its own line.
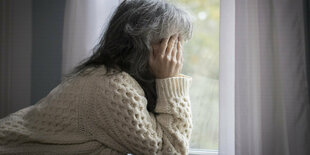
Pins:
<point x="227" y="78"/>
<point x="272" y="113"/>
<point x="84" y="22"/>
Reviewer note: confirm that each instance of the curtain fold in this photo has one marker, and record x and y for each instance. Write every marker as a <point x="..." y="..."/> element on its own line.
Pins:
<point x="271" y="103"/>
<point x="85" y="20"/>
<point x="227" y="78"/>
<point x="307" y="35"/>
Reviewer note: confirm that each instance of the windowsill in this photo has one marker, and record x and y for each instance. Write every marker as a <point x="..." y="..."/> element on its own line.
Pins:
<point x="202" y="152"/>
<point x="199" y="152"/>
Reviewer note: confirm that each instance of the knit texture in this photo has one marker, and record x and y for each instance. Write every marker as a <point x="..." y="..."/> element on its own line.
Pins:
<point x="102" y="114"/>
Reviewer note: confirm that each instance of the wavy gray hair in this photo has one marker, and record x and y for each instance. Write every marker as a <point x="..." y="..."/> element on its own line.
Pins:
<point x="155" y="20"/>
<point x="126" y="43"/>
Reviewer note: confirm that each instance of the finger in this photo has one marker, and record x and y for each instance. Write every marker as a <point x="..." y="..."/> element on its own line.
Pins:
<point x="182" y="56"/>
<point x="179" y="68"/>
<point x="181" y="59"/>
<point x="178" y="57"/>
<point x="171" y="45"/>
<point x="175" y="51"/>
<point x="182" y="42"/>
<point x="155" y="51"/>
<point x="163" y="46"/>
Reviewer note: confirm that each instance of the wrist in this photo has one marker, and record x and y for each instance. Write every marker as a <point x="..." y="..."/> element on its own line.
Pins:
<point x="178" y="75"/>
<point x="176" y="86"/>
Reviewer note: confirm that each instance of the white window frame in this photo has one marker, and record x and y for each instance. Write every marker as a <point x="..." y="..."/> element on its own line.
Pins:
<point x="226" y="83"/>
<point x="202" y="152"/>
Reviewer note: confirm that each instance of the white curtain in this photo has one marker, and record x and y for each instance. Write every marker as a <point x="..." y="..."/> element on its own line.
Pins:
<point x="272" y="114"/>
<point x="85" y="20"/>
<point x="227" y="78"/>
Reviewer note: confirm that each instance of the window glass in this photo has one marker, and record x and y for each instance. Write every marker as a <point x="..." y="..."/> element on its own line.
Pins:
<point x="201" y="61"/>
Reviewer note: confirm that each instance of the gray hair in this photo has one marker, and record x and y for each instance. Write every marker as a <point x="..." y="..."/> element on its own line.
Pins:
<point x="157" y="19"/>
<point x="126" y="43"/>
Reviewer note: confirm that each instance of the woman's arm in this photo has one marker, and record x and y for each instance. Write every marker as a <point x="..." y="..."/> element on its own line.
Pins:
<point x="133" y="126"/>
<point x="140" y="131"/>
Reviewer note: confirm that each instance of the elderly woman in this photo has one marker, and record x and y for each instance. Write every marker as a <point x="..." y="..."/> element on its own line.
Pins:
<point x="128" y="97"/>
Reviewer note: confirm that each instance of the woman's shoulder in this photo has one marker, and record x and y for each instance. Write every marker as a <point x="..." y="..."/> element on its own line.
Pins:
<point x="113" y="79"/>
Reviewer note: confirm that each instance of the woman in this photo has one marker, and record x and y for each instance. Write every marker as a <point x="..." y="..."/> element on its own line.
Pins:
<point x="128" y="97"/>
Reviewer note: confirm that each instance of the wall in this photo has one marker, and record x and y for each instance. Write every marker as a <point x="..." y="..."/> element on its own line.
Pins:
<point x="31" y="51"/>
<point x="15" y="55"/>
<point x="48" y="17"/>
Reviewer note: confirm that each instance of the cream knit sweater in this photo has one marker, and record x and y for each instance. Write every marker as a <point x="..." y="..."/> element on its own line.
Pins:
<point x="99" y="114"/>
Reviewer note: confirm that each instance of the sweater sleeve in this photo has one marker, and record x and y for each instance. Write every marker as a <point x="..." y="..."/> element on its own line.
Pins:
<point x="140" y="131"/>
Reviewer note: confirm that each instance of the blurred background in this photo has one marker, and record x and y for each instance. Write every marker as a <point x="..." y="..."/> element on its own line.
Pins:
<point x="41" y="40"/>
<point x="201" y="61"/>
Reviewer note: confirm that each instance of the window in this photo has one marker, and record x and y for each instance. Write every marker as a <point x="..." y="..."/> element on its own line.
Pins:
<point x="201" y="61"/>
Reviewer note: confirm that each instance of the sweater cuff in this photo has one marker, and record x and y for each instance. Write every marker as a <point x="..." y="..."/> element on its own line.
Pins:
<point x="173" y="86"/>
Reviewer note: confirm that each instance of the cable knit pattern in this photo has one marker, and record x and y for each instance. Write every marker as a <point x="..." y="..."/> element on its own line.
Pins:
<point x="102" y="114"/>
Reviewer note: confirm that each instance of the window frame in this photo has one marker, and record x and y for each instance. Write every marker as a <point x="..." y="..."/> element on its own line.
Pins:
<point x="202" y="152"/>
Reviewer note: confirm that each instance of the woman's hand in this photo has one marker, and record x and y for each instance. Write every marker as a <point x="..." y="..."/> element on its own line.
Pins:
<point x="166" y="59"/>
